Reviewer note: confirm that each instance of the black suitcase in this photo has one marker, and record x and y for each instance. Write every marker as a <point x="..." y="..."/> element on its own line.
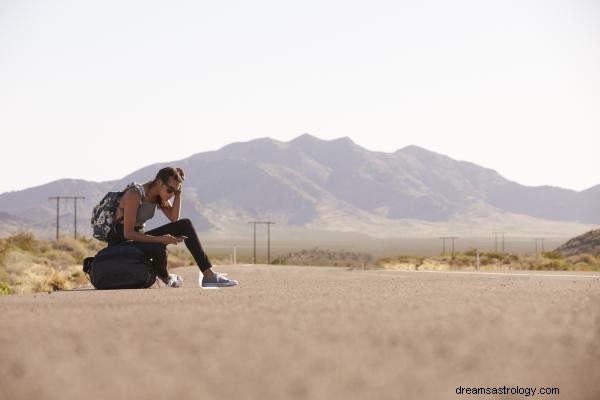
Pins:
<point x="122" y="266"/>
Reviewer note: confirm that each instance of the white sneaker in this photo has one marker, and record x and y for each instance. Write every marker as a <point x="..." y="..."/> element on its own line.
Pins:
<point x="175" y="281"/>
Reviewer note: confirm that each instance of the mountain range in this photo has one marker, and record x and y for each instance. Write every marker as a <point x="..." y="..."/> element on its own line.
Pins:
<point x="309" y="185"/>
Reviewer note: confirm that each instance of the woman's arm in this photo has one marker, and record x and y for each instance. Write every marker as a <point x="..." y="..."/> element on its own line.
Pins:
<point x="172" y="212"/>
<point x="131" y="203"/>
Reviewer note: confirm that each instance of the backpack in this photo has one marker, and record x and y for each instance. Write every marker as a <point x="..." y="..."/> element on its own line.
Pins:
<point x="103" y="214"/>
<point x="122" y="266"/>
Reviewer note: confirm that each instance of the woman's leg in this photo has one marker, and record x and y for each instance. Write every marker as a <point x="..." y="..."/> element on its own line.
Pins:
<point x="155" y="252"/>
<point x="184" y="227"/>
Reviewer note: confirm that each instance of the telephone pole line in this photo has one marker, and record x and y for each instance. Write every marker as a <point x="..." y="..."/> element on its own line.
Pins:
<point x="451" y="238"/>
<point x="268" y="223"/>
<point x="496" y="241"/>
<point x="536" y="240"/>
<point x="58" y="199"/>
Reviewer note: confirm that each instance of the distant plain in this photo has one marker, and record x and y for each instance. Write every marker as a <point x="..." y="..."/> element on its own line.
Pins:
<point x="378" y="248"/>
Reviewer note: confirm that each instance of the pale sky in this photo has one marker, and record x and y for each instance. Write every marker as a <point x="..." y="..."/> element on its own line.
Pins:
<point x="95" y="90"/>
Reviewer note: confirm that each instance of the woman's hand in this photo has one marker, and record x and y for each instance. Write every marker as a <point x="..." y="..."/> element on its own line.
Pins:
<point x="170" y="239"/>
<point x="181" y="173"/>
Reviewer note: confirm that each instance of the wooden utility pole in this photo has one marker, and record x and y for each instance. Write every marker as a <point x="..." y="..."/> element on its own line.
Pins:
<point x="496" y="241"/>
<point x="268" y="223"/>
<point x="58" y="199"/>
<point x="536" y="240"/>
<point x="452" y="238"/>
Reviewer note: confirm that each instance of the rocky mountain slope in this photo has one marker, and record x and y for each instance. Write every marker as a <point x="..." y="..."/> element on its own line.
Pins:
<point x="336" y="185"/>
<point x="588" y="243"/>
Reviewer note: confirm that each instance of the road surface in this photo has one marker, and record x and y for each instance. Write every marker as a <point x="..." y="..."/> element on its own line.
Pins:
<point x="309" y="333"/>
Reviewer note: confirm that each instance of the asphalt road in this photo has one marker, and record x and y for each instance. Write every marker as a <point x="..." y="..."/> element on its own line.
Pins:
<point x="308" y="333"/>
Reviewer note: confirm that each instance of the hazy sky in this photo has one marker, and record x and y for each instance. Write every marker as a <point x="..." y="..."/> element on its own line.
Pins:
<point x="95" y="90"/>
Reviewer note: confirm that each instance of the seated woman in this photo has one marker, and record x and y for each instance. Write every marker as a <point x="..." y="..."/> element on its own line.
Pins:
<point x="138" y="204"/>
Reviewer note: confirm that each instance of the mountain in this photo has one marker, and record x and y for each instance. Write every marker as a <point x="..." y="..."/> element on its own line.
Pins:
<point x="588" y="243"/>
<point x="317" y="185"/>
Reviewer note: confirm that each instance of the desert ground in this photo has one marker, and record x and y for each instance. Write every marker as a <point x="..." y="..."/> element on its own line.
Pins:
<point x="308" y="333"/>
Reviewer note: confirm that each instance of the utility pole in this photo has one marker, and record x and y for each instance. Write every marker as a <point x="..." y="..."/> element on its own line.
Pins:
<point x="536" y="240"/>
<point x="452" y="238"/>
<point x="75" y="207"/>
<point x="268" y="223"/>
<point x="496" y="241"/>
<point x="269" y="243"/>
<point x="254" y="245"/>
<point x="58" y="199"/>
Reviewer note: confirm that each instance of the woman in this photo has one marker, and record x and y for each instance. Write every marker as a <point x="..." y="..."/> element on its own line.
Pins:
<point x="138" y="204"/>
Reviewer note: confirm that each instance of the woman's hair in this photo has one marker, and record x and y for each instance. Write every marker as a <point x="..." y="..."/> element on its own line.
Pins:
<point x="169" y="172"/>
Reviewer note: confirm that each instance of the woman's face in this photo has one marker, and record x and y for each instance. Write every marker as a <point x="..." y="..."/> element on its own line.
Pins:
<point x="168" y="189"/>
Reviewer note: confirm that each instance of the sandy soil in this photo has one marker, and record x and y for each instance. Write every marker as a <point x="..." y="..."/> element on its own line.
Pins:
<point x="314" y="333"/>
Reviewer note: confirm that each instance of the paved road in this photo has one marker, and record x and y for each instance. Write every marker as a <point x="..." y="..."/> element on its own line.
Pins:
<point x="308" y="333"/>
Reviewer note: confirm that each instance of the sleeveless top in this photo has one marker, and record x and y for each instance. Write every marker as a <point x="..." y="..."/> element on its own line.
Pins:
<point x="146" y="209"/>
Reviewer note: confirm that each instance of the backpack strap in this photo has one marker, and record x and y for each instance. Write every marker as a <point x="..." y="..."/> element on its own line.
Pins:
<point x="138" y="188"/>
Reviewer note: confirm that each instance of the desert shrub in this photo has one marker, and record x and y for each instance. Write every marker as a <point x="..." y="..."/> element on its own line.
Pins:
<point x="62" y="246"/>
<point x="4" y="249"/>
<point x="585" y="262"/>
<point x="486" y="260"/>
<point x="66" y="251"/>
<point x="494" y="256"/>
<point x="411" y="259"/>
<point x="403" y="259"/>
<point x="462" y="260"/>
<point x="555" y="265"/>
<point x="30" y="265"/>
<point x="326" y="257"/>
<point x="5" y="288"/>
<point x="582" y="259"/>
<point x="22" y="240"/>
<point x="179" y="256"/>
<point x="553" y="255"/>
<point x="57" y="282"/>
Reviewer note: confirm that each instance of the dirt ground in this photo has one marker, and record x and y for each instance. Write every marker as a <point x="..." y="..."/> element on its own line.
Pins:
<point x="308" y="333"/>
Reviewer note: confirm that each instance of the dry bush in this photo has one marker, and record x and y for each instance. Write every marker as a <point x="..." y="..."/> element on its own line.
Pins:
<point x="22" y="240"/>
<point x="401" y="262"/>
<point x="549" y="261"/>
<point x="31" y="265"/>
<point x="179" y="256"/>
<point x="325" y="257"/>
<point x="5" y="288"/>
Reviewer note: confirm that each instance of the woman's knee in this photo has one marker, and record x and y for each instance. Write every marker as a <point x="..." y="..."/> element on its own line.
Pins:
<point x="186" y="223"/>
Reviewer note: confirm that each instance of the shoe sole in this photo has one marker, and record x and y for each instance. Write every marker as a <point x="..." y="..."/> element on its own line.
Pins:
<point x="218" y="285"/>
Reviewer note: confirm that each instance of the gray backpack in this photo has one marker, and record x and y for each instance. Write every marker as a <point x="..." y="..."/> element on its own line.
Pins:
<point x="103" y="215"/>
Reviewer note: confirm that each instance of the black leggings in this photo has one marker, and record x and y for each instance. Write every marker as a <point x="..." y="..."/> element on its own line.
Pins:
<point x="157" y="252"/>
